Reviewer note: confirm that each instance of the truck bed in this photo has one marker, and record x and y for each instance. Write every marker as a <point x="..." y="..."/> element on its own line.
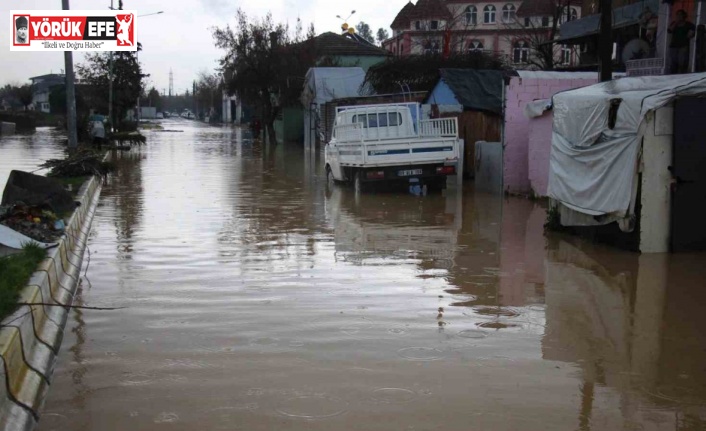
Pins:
<point x="397" y="152"/>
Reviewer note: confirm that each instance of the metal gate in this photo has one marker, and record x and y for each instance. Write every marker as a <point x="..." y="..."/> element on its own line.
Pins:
<point x="689" y="171"/>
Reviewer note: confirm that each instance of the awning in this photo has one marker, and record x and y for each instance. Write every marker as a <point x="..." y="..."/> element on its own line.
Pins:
<point x="589" y="25"/>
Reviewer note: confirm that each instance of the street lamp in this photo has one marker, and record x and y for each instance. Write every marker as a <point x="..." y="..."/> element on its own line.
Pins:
<point x="148" y="14"/>
<point x="339" y="16"/>
<point x="344" y="26"/>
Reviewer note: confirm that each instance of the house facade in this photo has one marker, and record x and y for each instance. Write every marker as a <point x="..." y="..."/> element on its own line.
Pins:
<point x="510" y="29"/>
<point x="42" y="86"/>
<point x="640" y="42"/>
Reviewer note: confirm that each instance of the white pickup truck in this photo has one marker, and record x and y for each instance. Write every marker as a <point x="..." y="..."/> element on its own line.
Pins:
<point x="389" y="143"/>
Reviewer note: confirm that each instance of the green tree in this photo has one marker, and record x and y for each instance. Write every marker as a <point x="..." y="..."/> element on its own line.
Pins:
<point x="264" y="65"/>
<point x="382" y="35"/>
<point x="127" y="81"/>
<point x="208" y="92"/>
<point x="57" y="101"/>
<point x="24" y="94"/>
<point x="155" y="99"/>
<point x="364" y="31"/>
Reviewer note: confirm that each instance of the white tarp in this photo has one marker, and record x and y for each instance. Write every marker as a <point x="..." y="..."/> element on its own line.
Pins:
<point x="323" y="84"/>
<point x="13" y="239"/>
<point x="537" y="108"/>
<point x="593" y="168"/>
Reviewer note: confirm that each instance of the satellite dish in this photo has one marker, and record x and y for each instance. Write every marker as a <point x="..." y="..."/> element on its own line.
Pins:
<point x="635" y="49"/>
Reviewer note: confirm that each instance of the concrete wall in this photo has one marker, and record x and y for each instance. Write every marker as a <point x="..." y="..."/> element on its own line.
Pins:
<point x="291" y="127"/>
<point x="7" y="128"/>
<point x="30" y="337"/>
<point x="230" y="115"/>
<point x="656" y="181"/>
<point x="516" y="139"/>
<point x="539" y="148"/>
<point x="147" y="112"/>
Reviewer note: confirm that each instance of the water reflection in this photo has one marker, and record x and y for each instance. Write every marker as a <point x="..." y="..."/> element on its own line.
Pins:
<point x="26" y="151"/>
<point x="256" y="297"/>
<point x="630" y="322"/>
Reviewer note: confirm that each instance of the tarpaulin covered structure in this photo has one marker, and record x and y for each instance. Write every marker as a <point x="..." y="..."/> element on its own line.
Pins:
<point x="596" y="143"/>
<point x="323" y="84"/>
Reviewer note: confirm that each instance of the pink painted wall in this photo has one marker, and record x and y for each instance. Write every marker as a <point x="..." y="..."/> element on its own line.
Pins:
<point x="516" y="172"/>
<point x="540" y="145"/>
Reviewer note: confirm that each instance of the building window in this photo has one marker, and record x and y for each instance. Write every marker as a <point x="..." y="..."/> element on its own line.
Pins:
<point x="434" y="25"/>
<point x="489" y="14"/>
<point x="545" y="21"/>
<point x="528" y="22"/>
<point x="568" y="14"/>
<point x="475" y="46"/>
<point x="508" y="13"/>
<point x="471" y="15"/>
<point x="565" y="54"/>
<point x="417" y="25"/>
<point x="520" y="52"/>
<point x="431" y="47"/>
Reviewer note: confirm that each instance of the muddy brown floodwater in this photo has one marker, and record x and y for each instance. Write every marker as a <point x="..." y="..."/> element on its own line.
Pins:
<point x="256" y="299"/>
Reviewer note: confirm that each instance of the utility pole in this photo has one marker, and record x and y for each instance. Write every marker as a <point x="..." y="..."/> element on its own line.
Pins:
<point x="110" y="85"/>
<point x="605" y="41"/>
<point x="70" y="92"/>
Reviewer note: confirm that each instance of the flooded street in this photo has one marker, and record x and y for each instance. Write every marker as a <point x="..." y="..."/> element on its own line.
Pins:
<point x="26" y="151"/>
<point x="254" y="298"/>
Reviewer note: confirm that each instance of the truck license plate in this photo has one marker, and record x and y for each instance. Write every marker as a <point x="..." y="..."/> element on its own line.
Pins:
<point x="409" y="172"/>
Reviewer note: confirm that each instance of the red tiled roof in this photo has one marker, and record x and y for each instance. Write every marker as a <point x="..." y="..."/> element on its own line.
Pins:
<point x="402" y="19"/>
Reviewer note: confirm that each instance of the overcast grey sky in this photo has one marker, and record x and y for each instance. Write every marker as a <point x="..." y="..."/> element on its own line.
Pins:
<point x="180" y="38"/>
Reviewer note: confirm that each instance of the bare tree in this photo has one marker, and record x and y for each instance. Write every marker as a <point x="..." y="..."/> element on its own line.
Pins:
<point x="531" y="36"/>
<point x="446" y="36"/>
<point x="262" y="63"/>
<point x="208" y="88"/>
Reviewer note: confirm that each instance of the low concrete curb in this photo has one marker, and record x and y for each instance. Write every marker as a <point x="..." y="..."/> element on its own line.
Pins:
<point x="30" y="338"/>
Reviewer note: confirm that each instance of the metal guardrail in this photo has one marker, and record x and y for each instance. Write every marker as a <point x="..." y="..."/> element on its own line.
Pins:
<point x="439" y="127"/>
<point x="348" y="132"/>
<point x="645" y="67"/>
